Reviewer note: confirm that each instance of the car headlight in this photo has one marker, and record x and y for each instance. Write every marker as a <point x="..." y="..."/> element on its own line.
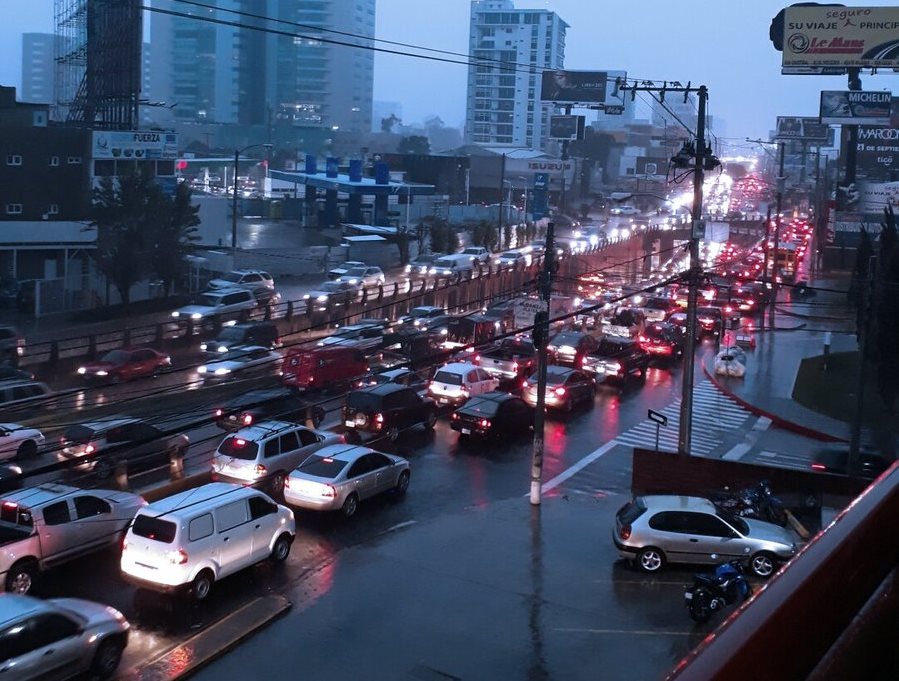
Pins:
<point x="354" y="281"/>
<point x="408" y="269"/>
<point x="102" y="373"/>
<point x="81" y="371"/>
<point x="222" y="348"/>
<point x="196" y="315"/>
<point x="306" y="296"/>
<point x="222" y="371"/>
<point x="322" y="299"/>
<point x="202" y="369"/>
<point x="176" y="313"/>
<point x="203" y="347"/>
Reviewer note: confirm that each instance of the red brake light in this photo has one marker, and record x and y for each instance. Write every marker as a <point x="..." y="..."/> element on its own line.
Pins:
<point x="240" y="442"/>
<point x="455" y="416"/>
<point x="218" y="412"/>
<point x="819" y="467"/>
<point x="625" y="532"/>
<point x="559" y="391"/>
<point x="89" y="449"/>
<point x="485" y="423"/>
<point x="178" y="557"/>
<point x="477" y="358"/>
<point x="329" y="491"/>
<point x="10" y="504"/>
<point x="379" y="418"/>
<point x="514" y="366"/>
<point x="247" y="419"/>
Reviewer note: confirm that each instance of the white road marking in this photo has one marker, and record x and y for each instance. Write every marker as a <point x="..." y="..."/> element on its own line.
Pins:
<point x="580" y="465"/>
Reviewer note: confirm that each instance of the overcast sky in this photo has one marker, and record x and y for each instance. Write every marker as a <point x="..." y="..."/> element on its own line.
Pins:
<point x="720" y="43"/>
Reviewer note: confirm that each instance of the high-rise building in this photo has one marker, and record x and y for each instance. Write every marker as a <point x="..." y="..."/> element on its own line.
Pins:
<point x="503" y="103"/>
<point x="225" y="74"/>
<point x="38" y="68"/>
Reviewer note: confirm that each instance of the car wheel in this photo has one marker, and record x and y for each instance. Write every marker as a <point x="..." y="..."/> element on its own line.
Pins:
<point x="106" y="659"/>
<point x="569" y="405"/>
<point x="115" y="379"/>
<point x="201" y="586"/>
<point x="701" y="606"/>
<point x="650" y="559"/>
<point x="352" y="437"/>
<point x="393" y="433"/>
<point x="318" y="415"/>
<point x="20" y="579"/>
<point x="762" y="565"/>
<point x="350" y="504"/>
<point x="27" y="449"/>
<point x="431" y="420"/>
<point x="281" y="549"/>
<point x="402" y="483"/>
<point x="278" y="483"/>
<point x="103" y="469"/>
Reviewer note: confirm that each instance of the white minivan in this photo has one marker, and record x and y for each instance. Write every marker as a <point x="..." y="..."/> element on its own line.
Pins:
<point x="453" y="265"/>
<point x="188" y="541"/>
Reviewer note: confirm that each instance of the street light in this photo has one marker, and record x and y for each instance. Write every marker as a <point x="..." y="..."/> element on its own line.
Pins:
<point x="237" y="153"/>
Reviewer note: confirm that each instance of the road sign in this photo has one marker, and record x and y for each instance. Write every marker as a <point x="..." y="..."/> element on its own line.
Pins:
<point x="698" y="229"/>
<point x="658" y="417"/>
<point x="525" y="309"/>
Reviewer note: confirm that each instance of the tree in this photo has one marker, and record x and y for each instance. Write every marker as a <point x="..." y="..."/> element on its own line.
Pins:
<point x="519" y="235"/>
<point x="388" y="123"/>
<point x="174" y="238"/>
<point x="439" y="233"/>
<point x="414" y="144"/>
<point x="452" y="239"/>
<point x="507" y="236"/>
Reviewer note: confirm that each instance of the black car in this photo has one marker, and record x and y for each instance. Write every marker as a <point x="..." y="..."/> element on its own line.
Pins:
<point x="569" y="348"/>
<point x="711" y="319"/>
<point x="386" y="411"/>
<point x="256" y="333"/>
<point x="663" y="340"/>
<point x="11" y="373"/>
<point x="565" y="388"/>
<point x="420" y="316"/>
<point x="493" y="415"/>
<point x="871" y="462"/>
<point x="400" y="376"/>
<point x="616" y="360"/>
<point x="267" y="404"/>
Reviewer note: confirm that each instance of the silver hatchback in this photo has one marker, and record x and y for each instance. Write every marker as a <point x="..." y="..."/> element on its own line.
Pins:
<point x="59" y="638"/>
<point x="653" y="530"/>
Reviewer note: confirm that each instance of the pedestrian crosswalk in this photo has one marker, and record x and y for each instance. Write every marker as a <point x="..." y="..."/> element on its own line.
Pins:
<point x="714" y="417"/>
<point x="796" y="460"/>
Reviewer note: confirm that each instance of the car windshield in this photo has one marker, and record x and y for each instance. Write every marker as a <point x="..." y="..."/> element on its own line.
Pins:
<point x="423" y="260"/>
<point x="556" y="375"/>
<point x="380" y="379"/>
<point x="232" y="277"/>
<point x="509" y="254"/>
<point x="116" y="357"/>
<point x="571" y="339"/>
<point x="519" y="347"/>
<point x="472" y="251"/>
<point x="330" y="287"/>
<point x="239" y="448"/>
<point x="234" y="355"/>
<point x="480" y="407"/>
<point x="735" y="522"/>
<point x="448" y="377"/>
<point x="443" y="262"/>
<point x="356" y="272"/>
<point x="231" y="335"/>
<point x="156" y="529"/>
<point x="364" y="401"/>
<point x="78" y="434"/>
<point x="420" y="312"/>
<point x="657" y="304"/>
<point x="208" y="300"/>
<point x="708" y="311"/>
<point x="322" y="467"/>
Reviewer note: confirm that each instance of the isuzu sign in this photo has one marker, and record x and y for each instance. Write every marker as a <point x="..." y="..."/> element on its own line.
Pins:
<point x="826" y="36"/>
<point x="848" y="107"/>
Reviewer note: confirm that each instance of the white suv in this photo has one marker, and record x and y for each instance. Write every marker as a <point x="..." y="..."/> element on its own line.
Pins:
<point x="477" y="254"/>
<point x="192" y="539"/>
<point x="455" y="383"/>
<point x="229" y="301"/>
<point x="364" y="275"/>
<point x="252" y="279"/>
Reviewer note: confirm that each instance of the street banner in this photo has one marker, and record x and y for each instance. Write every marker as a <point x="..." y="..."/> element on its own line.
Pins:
<point x="873" y="197"/>
<point x="848" y="107"/>
<point x="802" y="129"/>
<point x="651" y="166"/>
<point x="584" y="87"/>
<point x="835" y="36"/>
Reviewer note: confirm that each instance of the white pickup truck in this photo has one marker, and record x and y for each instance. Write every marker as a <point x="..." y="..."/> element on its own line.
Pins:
<point x="44" y="526"/>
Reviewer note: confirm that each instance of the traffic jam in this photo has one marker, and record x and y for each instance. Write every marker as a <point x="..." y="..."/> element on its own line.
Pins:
<point x="320" y="426"/>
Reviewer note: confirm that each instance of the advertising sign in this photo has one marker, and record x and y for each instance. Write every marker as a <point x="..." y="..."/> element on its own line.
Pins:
<point x="583" y="87"/>
<point x="878" y="147"/>
<point x="848" y="107"/>
<point x="802" y="129"/>
<point x="134" y="145"/>
<point x="831" y="36"/>
<point x="647" y="165"/>
<point x="525" y="309"/>
<point x="539" y="202"/>
<point x="873" y="197"/>
<point x="566" y="127"/>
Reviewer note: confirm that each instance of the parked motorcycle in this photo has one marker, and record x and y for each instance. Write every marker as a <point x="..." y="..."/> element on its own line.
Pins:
<point x="710" y="593"/>
<point x="758" y="501"/>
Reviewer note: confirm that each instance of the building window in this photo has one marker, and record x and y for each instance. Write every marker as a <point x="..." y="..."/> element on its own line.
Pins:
<point x="13" y="208"/>
<point x="74" y="160"/>
<point x="54" y="161"/>
<point x="13" y="160"/>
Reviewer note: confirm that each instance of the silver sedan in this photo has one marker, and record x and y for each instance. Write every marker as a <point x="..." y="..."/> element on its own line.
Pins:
<point x="338" y="477"/>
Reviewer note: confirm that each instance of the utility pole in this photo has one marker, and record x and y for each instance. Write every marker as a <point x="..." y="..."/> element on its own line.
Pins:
<point x="564" y="159"/>
<point x="765" y="249"/>
<point x="863" y="330"/>
<point x="234" y="207"/>
<point x="541" y="340"/>
<point x="781" y="179"/>
<point x="703" y="160"/>
<point x="502" y="189"/>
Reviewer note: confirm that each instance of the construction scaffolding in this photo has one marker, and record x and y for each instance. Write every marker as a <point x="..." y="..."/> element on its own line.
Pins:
<point x="98" y="62"/>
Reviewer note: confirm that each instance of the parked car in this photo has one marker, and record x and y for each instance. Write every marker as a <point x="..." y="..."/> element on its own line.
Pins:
<point x="494" y="415"/>
<point x="477" y="253"/>
<point x="176" y="544"/>
<point x="252" y="333"/>
<point x="420" y="267"/>
<point x="264" y="453"/>
<point x="454" y="383"/>
<point x="332" y="292"/>
<point x="60" y="638"/>
<point x="340" y="270"/>
<point x="565" y="389"/>
<point x="731" y="362"/>
<point x="334" y="367"/>
<point x="616" y="360"/>
<point x="386" y="410"/>
<point x="871" y="462"/>
<point x="244" y="279"/>
<point x="265" y="404"/>
<point x="654" y="530"/>
<point x="511" y="259"/>
<point x="125" y="364"/>
<point x="51" y="524"/>
<point x="570" y="348"/>
<point x="243" y="361"/>
<point x="228" y="303"/>
<point x="99" y="446"/>
<point x="337" y="478"/>
<point x="364" y="275"/>
<point x="19" y="442"/>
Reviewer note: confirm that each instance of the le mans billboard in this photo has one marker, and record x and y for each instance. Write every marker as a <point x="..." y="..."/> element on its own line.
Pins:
<point x="842" y="37"/>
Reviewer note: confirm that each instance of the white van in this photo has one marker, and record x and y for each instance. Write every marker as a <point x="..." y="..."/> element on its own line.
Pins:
<point x="190" y="540"/>
<point x="450" y="265"/>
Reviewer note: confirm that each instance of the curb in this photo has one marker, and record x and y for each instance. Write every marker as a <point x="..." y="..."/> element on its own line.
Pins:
<point x="214" y="641"/>
<point x="799" y="315"/>
<point x="778" y="421"/>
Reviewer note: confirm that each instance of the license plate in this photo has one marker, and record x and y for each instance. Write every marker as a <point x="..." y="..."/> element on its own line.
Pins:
<point x="466" y="431"/>
<point x="443" y="400"/>
<point x="688" y="595"/>
<point x="349" y="423"/>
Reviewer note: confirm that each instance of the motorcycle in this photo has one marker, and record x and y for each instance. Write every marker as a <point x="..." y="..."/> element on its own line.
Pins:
<point x="711" y="593"/>
<point x="758" y="501"/>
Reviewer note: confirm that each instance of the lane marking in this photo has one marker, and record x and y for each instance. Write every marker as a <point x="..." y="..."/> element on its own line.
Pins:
<point x="580" y="465"/>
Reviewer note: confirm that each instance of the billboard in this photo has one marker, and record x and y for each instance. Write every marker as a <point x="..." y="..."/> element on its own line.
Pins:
<point x="849" y="107"/>
<point x="566" y="127"/>
<point x="873" y="197"/>
<point x="878" y="147"/>
<point x="647" y="165"/>
<point x="802" y="129"/>
<point x="831" y="36"/>
<point x="584" y="87"/>
<point x="134" y="145"/>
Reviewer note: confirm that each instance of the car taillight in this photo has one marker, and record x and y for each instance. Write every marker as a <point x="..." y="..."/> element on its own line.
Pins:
<point x="624" y="533"/>
<point x="328" y="491"/>
<point x="455" y="416"/>
<point x="178" y="557"/>
<point x="218" y="413"/>
<point x="514" y="366"/>
<point x="476" y="359"/>
<point x="89" y="449"/>
<point x="559" y="391"/>
<point x="286" y="483"/>
<point x="124" y="545"/>
<point x="524" y="384"/>
<point x="819" y="467"/>
<point x="485" y="423"/>
<point x="247" y="419"/>
<point x="260" y="469"/>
